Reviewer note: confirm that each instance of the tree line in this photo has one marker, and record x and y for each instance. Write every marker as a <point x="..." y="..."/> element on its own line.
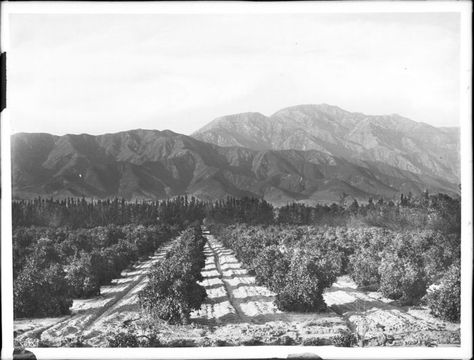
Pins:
<point x="427" y="211"/>
<point x="82" y="213"/>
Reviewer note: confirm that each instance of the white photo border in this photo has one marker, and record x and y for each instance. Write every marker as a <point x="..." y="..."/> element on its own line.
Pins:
<point x="464" y="8"/>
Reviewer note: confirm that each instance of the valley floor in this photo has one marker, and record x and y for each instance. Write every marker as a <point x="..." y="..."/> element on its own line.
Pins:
<point x="239" y="312"/>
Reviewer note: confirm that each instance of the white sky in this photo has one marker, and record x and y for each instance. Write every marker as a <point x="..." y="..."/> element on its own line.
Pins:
<point x="71" y="73"/>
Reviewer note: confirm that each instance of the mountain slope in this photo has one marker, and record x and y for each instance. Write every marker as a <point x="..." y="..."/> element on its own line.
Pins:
<point x="390" y="139"/>
<point x="150" y="164"/>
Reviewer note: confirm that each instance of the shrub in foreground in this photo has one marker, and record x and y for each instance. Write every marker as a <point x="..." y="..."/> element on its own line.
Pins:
<point x="172" y="296"/>
<point x="273" y="267"/>
<point x="445" y="300"/>
<point x="123" y="339"/>
<point x="345" y="338"/>
<point x="81" y="278"/>
<point x="173" y="292"/>
<point x="303" y="290"/>
<point x="402" y="271"/>
<point x="41" y="292"/>
<point x="402" y="279"/>
<point x="364" y="266"/>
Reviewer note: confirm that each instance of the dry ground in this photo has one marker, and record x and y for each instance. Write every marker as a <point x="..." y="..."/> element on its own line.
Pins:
<point x="381" y="321"/>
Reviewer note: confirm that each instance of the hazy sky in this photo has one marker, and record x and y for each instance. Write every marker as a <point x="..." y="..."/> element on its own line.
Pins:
<point x="107" y="73"/>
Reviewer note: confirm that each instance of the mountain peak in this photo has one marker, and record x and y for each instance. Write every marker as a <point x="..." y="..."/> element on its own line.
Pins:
<point x="391" y="139"/>
<point x="143" y="132"/>
<point x="313" y="107"/>
<point x="233" y="119"/>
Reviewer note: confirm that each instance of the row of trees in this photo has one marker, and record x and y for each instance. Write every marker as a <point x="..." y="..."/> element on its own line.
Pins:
<point x="437" y="212"/>
<point x="173" y="290"/>
<point x="299" y="262"/>
<point x="182" y="210"/>
<point x="53" y="266"/>
<point x="245" y="210"/>
<point x="82" y="213"/>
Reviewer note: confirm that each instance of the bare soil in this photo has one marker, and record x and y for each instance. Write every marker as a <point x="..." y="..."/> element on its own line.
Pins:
<point x="381" y="321"/>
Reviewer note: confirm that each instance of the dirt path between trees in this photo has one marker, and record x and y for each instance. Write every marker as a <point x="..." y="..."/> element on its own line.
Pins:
<point x="233" y="295"/>
<point x="228" y="288"/>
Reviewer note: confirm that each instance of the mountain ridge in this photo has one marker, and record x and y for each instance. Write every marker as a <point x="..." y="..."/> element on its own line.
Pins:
<point x="153" y="164"/>
<point x="394" y="139"/>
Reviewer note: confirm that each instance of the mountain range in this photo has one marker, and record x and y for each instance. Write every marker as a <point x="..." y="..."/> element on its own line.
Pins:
<point x="307" y="153"/>
<point x="391" y="139"/>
